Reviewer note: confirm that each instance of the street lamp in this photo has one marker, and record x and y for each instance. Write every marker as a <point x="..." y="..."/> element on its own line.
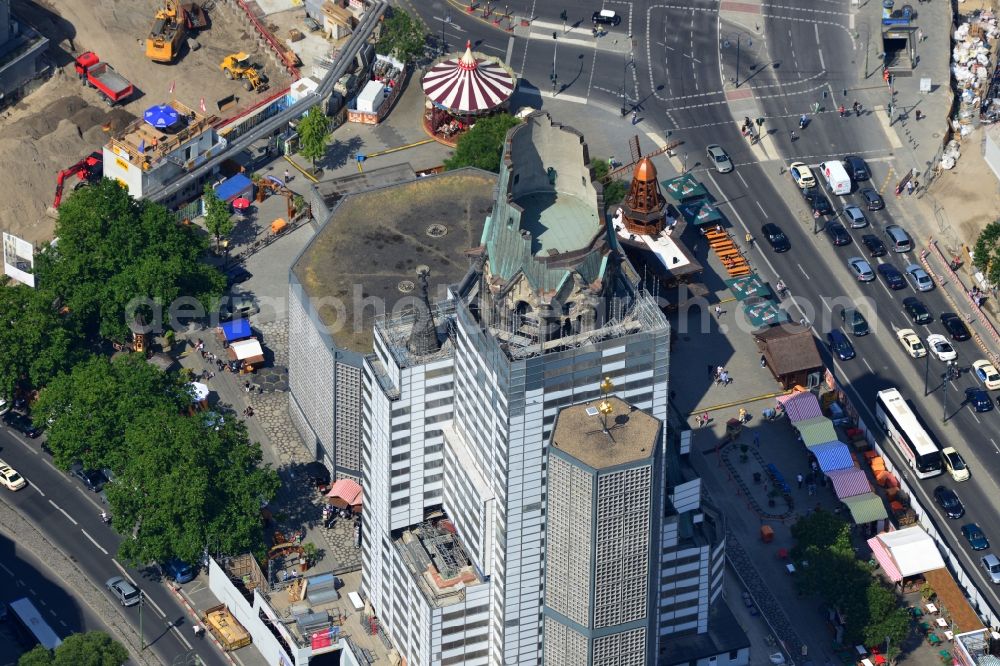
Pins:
<point x="142" y="637"/>
<point x="728" y="43"/>
<point x="951" y="374"/>
<point x="555" y="51"/>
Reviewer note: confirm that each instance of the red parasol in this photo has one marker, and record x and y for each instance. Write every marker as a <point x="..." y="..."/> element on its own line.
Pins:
<point x="241" y="203"/>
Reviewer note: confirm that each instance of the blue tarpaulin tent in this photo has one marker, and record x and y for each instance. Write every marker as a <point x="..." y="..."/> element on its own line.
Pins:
<point x="236" y="329"/>
<point x="234" y="187"/>
<point x="832" y="456"/>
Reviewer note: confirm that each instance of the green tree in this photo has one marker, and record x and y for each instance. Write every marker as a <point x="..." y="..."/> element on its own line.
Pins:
<point x="39" y="656"/>
<point x="821" y="530"/>
<point x="36" y="342"/>
<point x="614" y="190"/>
<point x="987" y="252"/>
<point x="93" y="648"/>
<point x="402" y="37"/>
<point x="314" y="132"/>
<point x="113" y="251"/>
<point x="218" y="221"/>
<point x="90" y="408"/>
<point x="482" y="145"/>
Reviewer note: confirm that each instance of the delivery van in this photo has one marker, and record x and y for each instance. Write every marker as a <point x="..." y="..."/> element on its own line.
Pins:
<point x="836" y="176"/>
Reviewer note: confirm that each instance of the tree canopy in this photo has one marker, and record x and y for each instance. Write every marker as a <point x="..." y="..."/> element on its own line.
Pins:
<point x="987" y="252"/>
<point x="314" y="132"/>
<point x="614" y="190"/>
<point x="218" y="221"/>
<point x="402" y="37"/>
<point x="482" y="145"/>
<point x="93" y="648"/>
<point x="113" y="250"/>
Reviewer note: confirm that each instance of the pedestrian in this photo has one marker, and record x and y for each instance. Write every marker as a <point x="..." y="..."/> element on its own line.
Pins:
<point x="719" y="311"/>
<point x="743" y="415"/>
<point x="763" y="361"/>
<point x="919" y="115"/>
<point x="705" y="418"/>
<point x="749" y="239"/>
<point x="756" y="439"/>
<point x="842" y="111"/>
<point x="725" y="378"/>
<point x="815" y="466"/>
<point x="858" y="109"/>
<point x="246" y="386"/>
<point x="635" y="116"/>
<point x="800" y="479"/>
<point x="288" y="177"/>
<point x="909" y="187"/>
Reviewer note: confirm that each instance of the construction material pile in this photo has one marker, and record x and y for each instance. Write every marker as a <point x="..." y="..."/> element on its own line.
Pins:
<point x="970" y="68"/>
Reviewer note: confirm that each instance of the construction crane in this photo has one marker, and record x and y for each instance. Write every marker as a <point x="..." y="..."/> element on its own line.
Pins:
<point x="636" y="156"/>
<point x="165" y="37"/>
<point x="88" y="169"/>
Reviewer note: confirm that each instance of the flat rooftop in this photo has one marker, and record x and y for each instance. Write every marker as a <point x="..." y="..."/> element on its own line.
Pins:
<point x="557" y="221"/>
<point x="438" y="562"/>
<point x="364" y="260"/>
<point x="156" y="144"/>
<point x="631" y="435"/>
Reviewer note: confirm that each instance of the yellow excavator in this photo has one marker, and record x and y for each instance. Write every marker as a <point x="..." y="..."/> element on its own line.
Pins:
<point x="237" y="66"/>
<point x="167" y="34"/>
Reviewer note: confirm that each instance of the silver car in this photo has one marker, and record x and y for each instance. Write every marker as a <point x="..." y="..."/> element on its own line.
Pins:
<point x="855" y="217"/>
<point x="123" y="590"/>
<point x="862" y="269"/>
<point x="719" y="158"/>
<point x="919" y="278"/>
<point x="992" y="565"/>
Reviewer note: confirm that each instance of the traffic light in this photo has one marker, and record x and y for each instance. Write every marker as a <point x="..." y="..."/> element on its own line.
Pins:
<point x="554" y="34"/>
<point x="564" y="15"/>
<point x="760" y="121"/>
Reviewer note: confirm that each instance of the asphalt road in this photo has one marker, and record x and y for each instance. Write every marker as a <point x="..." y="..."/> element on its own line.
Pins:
<point x="682" y="55"/>
<point x="69" y="516"/>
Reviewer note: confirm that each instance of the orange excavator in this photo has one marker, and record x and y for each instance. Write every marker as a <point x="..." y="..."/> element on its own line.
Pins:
<point x="87" y="170"/>
<point x="169" y="27"/>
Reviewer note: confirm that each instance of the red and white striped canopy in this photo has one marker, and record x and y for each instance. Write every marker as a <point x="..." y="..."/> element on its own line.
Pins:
<point x="467" y="84"/>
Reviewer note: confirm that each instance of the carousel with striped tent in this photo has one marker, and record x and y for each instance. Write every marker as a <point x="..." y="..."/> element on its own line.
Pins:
<point x="460" y="90"/>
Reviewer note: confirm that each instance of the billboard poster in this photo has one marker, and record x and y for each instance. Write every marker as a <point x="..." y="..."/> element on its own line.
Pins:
<point x="19" y="259"/>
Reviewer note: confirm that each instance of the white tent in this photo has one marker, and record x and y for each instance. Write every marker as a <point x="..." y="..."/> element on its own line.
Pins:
<point x="911" y="551"/>
<point x="244" y="349"/>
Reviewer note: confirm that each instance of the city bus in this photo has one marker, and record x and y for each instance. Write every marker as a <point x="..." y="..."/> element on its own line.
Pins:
<point x="911" y="440"/>
<point x="32" y="626"/>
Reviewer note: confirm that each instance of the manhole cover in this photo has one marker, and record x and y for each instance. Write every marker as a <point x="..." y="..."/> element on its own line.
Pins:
<point x="437" y="230"/>
<point x="405" y="286"/>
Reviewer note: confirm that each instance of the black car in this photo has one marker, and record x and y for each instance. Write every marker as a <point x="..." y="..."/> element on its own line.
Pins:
<point x="92" y="479"/>
<point x="840" y="345"/>
<point x="237" y="275"/>
<point x="949" y="502"/>
<point x="817" y="201"/>
<point x="855" y="322"/>
<point x="893" y="278"/>
<point x="872" y="199"/>
<point x="876" y="248"/>
<point x="776" y="237"/>
<point x="955" y="326"/>
<point x="978" y="399"/>
<point x="974" y="535"/>
<point x="22" y="424"/>
<point x="918" y="313"/>
<point x="857" y="168"/>
<point x="838" y="234"/>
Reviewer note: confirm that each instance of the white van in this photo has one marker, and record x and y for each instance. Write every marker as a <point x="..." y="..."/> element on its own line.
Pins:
<point x="836" y="176"/>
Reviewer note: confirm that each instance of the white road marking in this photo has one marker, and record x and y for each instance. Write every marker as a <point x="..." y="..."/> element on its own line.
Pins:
<point x="870" y="368"/>
<point x="26" y="445"/>
<point x="740" y="176"/>
<point x="99" y="546"/>
<point x="153" y="604"/>
<point x="510" y="49"/>
<point x="825" y="304"/>
<point x="991" y="442"/>
<point x="822" y="65"/>
<point x="763" y="212"/>
<point x="63" y="512"/>
<point x="11" y="573"/>
<point x="816" y="28"/>
<point x="975" y="417"/>
<point x="804" y="271"/>
<point x="38" y="490"/>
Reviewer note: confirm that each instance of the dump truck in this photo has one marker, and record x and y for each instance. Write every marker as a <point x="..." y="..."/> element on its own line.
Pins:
<point x="111" y="85"/>
<point x="167" y="34"/>
<point x="238" y="66"/>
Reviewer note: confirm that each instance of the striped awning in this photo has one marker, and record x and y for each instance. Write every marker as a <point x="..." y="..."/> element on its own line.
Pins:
<point x="800" y="406"/>
<point x="815" y="431"/>
<point x="468" y="84"/>
<point x="849" y="482"/>
<point x="911" y="550"/>
<point x="884" y="559"/>
<point x="866" y="508"/>
<point x="832" y="456"/>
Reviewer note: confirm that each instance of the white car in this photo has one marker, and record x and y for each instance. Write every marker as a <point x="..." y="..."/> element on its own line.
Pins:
<point x="911" y="343"/>
<point x="9" y="478"/>
<point x="987" y="374"/>
<point x="802" y="174"/>
<point x="940" y="348"/>
<point x="955" y="464"/>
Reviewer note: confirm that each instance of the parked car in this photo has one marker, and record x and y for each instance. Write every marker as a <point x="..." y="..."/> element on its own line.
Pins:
<point x="975" y="536"/>
<point x="918" y="313"/>
<point x="897" y="238"/>
<point x="855" y="217"/>
<point x="893" y="278"/>
<point x="949" y="502"/>
<point x="857" y="168"/>
<point x="992" y="565"/>
<point x="978" y="399"/>
<point x="776" y="237"/>
<point x="838" y="234"/>
<point x="178" y="571"/>
<point x="22" y="424"/>
<point x="840" y="345"/>
<point x="92" y="479"/>
<point x="855" y="322"/>
<point x="876" y="248"/>
<point x="239" y="307"/>
<point x="955" y="326"/>
<point x="955" y="464"/>
<point x="606" y="17"/>
<point x="9" y="478"/>
<point x="987" y="374"/>
<point x="872" y="199"/>
<point x="911" y="343"/>
<point x="719" y="158"/>
<point x="123" y="590"/>
<point x="862" y="269"/>
<point x="237" y="275"/>
<point x="919" y="278"/>
<point x="940" y="348"/>
<point x="802" y="174"/>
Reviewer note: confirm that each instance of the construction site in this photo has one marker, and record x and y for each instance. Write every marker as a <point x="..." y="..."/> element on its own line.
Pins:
<point x="151" y="52"/>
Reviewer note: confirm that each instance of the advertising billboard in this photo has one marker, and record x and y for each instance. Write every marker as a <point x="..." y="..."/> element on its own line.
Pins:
<point x="19" y="259"/>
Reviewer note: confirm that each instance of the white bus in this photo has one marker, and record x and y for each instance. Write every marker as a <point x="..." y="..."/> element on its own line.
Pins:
<point x="32" y="626"/>
<point x="910" y="438"/>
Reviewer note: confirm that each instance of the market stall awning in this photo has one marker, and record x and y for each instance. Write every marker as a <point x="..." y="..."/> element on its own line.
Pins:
<point x="468" y="84"/>
<point x="199" y="391"/>
<point x="747" y="286"/>
<point x="866" y="508"/>
<point x="684" y="188"/>
<point x="234" y="187"/>
<point x="832" y="456"/>
<point x="345" y="493"/>
<point x="910" y="551"/>
<point x="800" y="406"/>
<point x="246" y="349"/>
<point x="762" y="312"/>
<point x="849" y="482"/>
<point x="816" y="431"/>
<point x="237" y="329"/>
<point x="699" y="212"/>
